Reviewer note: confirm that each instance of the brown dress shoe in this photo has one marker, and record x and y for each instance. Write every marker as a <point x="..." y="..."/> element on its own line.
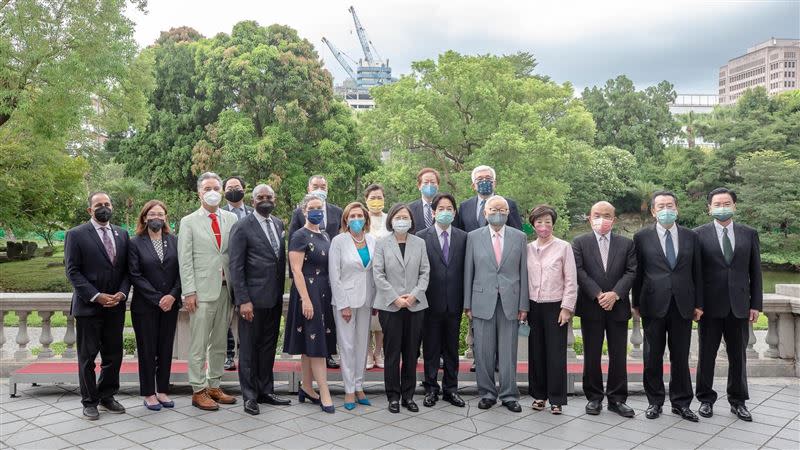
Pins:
<point x="200" y="399"/>
<point x="221" y="397"/>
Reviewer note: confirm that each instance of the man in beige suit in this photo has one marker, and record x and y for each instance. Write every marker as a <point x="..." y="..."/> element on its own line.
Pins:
<point x="203" y="256"/>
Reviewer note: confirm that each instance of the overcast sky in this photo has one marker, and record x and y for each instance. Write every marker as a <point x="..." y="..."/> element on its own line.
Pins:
<point x="584" y="42"/>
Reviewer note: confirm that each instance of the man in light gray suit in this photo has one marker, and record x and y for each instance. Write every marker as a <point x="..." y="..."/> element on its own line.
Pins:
<point x="496" y="299"/>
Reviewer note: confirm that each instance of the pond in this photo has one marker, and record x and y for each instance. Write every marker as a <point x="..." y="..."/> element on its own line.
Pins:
<point x="773" y="277"/>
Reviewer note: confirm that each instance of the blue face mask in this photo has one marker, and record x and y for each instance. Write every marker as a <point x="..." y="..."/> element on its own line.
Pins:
<point x="315" y="216"/>
<point x="485" y="187"/>
<point x="429" y="190"/>
<point x="666" y="217"/>
<point x="356" y="225"/>
<point x="722" y="213"/>
<point x="445" y="217"/>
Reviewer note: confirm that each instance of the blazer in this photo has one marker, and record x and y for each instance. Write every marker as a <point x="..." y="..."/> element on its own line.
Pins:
<point x="418" y="214"/>
<point x="656" y="284"/>
<point x="201" y="262"/>
<point x="467" y="217"/>
<point x="248" y="210"/>
<point x="734" y="287"/>
<point x="396" y="274"/>
<point x="90" y="270"/>
<point x="333" y="220"/>
<point x="352" y="284"/>
<point x="484" y="280"/>
<point x="257" y="273"/>
<point x="151" y="278"/>
<point x="445" y="292"/>
<point x="593" y="279"/>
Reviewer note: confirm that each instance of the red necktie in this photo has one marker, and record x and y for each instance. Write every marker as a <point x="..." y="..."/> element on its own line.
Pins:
<point x="215" y="229"/>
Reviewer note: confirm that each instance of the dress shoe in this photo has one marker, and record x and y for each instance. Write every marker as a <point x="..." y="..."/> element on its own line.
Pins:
<point x="363" y="401"/>
<point x="454" y="399"/>
<point x="370" y="361"/>
<point x="200" y="399"/>
<point x="410" y="405"/>
<point x="486" y="403"/>
<point x="219" y="396"/>
<point x="349" y="406"/>
<point x="706" y="410"/>
<point x="331" y="363"/>
<point x="594" y="407"/>
<point x="685" y="413"/>
<point x="430" y="400"/>
<point x="251" y="407"/>
<point x="621" y="408"/>
<point x="272" y="399"/>
<point x="302" y="396"/>
<point x="90" y="413"/>
<point x="653" y="412"/>
<point x="156" y="407"/>
<point x="472" y="367"/>
<point x="112" y="406"/>
<point x="741" y="412"/>
<point x="513" y="406"/>
<point x="394" y="406"/>
<point x="229" y="364"/>
<point x="330" y="409"/>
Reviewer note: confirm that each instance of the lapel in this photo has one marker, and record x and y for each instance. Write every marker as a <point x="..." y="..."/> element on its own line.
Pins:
<point x="145" y="240"/>
<point x="96" y="238"/>
<point x="683" y="242"/>
<point x="262" y="238"/>
<point x="594" y="248"/>
<point x="507" y="244"/>
<point x="432" y="238"/>
<point x="654" y="237"/>
<point x="486" y="238"/>
<point x="395" y="247"/>
<point x="205" y="223"/>
<point x="738" y="234"/>
<point x="613" y="250"/>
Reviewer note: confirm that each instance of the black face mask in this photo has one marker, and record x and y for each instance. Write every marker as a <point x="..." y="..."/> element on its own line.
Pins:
<point x="102" y="214"/>
<point x="155" y="224"/>
<point x="265" y="208"/>
<point x="234" y="196"/>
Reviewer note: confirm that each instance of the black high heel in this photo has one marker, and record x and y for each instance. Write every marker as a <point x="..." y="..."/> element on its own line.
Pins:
<point x="328" y="409"/>
<point x="302" y="396"/>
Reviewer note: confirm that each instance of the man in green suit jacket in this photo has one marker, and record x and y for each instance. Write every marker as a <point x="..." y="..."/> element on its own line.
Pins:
<point x="203" y="256"/>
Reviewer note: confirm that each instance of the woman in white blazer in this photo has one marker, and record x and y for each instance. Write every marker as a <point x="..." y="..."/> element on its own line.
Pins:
<point x="353" y="289"/>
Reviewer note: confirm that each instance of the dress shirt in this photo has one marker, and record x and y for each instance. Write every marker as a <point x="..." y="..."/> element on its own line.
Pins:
<point x="662" y="238"/>
<point x="552" y="276"/>
<point x="440" y="230"/>
<point x="719" y="229"/>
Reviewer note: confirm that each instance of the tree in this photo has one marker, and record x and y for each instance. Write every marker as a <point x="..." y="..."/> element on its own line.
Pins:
<point x="769" y="191"/>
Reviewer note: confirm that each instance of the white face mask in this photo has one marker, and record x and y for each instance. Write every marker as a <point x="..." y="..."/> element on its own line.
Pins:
<point x="401" y="226"/>
<point x="212" y="198"/>
<point x="320" y="194"/>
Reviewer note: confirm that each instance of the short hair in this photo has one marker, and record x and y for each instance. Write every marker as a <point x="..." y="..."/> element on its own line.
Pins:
<point x="443" y="196"/>
<point x="721" y="190"/>
<point x="373" y="187"/>
<point x="425" y="170"/>
<point x="481" y="169"/>
<point x="659" y="194"/>
<point x="234" y="177"/>
<point x="314" y="177"/>
<point x="207" y="176"/>
<point x="261" y="187"/>
<point x="541" y="211"/>
<point x="489" y="200"/>
<point x="95" y="193"/>
<point x="346" y="212"/>
<point x="141" y="224"/>
<point x="306" y="200"/>
<point x="396" y="208"/>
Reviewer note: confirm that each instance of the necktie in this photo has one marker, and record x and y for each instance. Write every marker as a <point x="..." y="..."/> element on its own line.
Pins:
<point x="271" y="235"/>
<point x="727" y="248"/>
<point x="604" y="251"/>
<point x="445" y="247"/>
<point x="428" y="215"/>
<point x="498" y="252"/>
<point x="215" y="229"/>
<point x="240" y="212"/>
<point x="109" y="245"/>
<point x="669" y="249"/>
<point x="481" y="217"/>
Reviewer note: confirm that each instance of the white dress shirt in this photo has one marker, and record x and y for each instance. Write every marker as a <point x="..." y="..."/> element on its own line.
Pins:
<point x="597" y="237"/>
<point x="377" y="225"/>
<point x="662" y="237"/>
<point x="269" y="223"/>
<point x="719" y="229"/>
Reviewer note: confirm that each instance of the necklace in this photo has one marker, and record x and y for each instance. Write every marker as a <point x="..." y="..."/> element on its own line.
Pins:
<point x="356" y="240"/>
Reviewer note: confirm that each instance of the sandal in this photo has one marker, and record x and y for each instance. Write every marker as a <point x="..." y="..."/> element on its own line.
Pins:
<point x="537" y="405"/>
<point x="555" y="409"/>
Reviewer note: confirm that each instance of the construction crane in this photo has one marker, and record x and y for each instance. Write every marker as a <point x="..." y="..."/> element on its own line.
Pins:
<point x="362" y="38"/>
<point x="340" y="56"/>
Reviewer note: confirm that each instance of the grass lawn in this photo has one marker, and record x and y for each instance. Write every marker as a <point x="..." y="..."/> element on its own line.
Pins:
<point x="33" y="275"/>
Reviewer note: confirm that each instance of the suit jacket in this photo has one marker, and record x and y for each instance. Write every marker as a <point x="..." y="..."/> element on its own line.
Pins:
<point x="333" y="220"/>
<point x="201" y="262"/>
<point x="418" y="214"/>
<point x="90" y="270"/>
<point x="656" y="284"/>
<point x="467" y="217"/>
<point x="151" y="278"/>
<point x="484" y="280"/>
<point x="446" y="287"/>
<point x="257" y="273"/>
<point x="736" y="286"/>
<point x="248" y="210"/>
<point x="397" y="274"/>
<point x="593" y="279"/>
<point x="352" y="284"/>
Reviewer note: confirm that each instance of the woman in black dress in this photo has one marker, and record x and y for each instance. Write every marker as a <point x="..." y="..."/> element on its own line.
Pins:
<point x="310" y="332"/>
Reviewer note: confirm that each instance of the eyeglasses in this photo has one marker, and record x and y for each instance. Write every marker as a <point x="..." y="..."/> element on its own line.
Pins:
<point x="156" y="215"/>
<point x="479" y="179"/>
<point x="495" y="211"/>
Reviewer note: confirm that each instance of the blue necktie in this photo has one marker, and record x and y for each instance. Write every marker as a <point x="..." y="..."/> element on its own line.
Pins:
<point x="670" y="249"/>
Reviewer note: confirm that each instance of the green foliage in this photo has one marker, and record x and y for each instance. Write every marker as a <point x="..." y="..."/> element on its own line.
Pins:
<point x="770" y="188"/>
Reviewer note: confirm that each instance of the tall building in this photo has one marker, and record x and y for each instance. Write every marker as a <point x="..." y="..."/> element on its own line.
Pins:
<point x="771" y="64"/>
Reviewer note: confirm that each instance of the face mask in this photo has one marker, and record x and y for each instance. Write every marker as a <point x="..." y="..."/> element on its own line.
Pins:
<point x="320" y="194"/>
<point x="356" y="225"/>
<point x="445" y="217"/>
<point x="102" y="214"/>
<point x="429" y="190"/>
<point x="666" y="216"/>
<point x="375" y="205"/>
<point x="544" y="231"/>
<point x="485" y="187"/>
<point x="155" y="224"/>
<point x="315" y="216"/>
<point x="212" y="198"/>
<point x="234" y="196"/>
<point x="497" y="219"/>
<point x="265" y="208"/>
<point x="722" y="213"/>
<point x="602" y="226"/>
<point x="401" y="226"/>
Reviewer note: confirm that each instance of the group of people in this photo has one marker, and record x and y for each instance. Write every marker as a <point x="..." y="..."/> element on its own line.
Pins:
<point x="376" y="286"/>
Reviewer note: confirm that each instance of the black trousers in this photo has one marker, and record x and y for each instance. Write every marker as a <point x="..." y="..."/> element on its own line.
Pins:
<point x="231" y="350"/>
<point x="675" y="331"/>
<point x="99" y="334"/>
<point x="402" y="334"/>
<point x="710" y="332"/>
<point x="593" y="332"/>
<point x="257" y="345"/>
<point x="547" y="359"/>
<point x="440" y="335"/>
<point x="155" y="334"/>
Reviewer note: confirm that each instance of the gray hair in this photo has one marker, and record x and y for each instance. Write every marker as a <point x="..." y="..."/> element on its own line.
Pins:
<point x="306" y="200"/>
<point x="495" y="197"/>
<point x="261" y="187"/>
<point x="481" y="169"/>
<point x="314" y="177"/>
<point x="207" y="176"/>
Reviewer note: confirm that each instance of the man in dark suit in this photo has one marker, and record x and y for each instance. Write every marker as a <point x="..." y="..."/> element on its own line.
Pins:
<point x="470" y="216"/>
<point x="667" y="293"/>
<point x="258" y="268"/>
<point x="446" y="247"/>
<point x="96" y="259"/>
<point x="606" y="265"/>
<point x="421" y="209"/>
<point x="732" y="291"/>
